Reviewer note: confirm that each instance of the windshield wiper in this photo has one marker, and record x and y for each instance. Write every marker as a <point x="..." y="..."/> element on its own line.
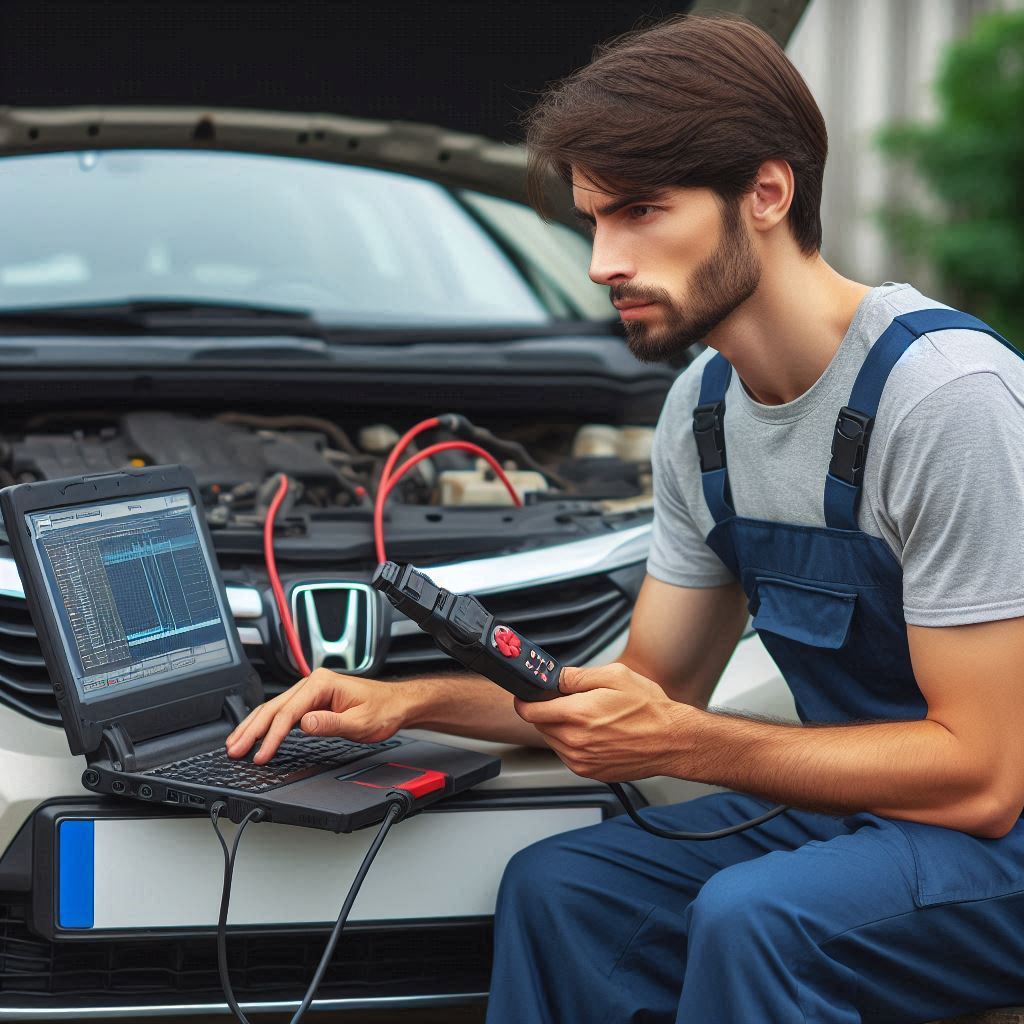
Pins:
<point x="164" y="316"/>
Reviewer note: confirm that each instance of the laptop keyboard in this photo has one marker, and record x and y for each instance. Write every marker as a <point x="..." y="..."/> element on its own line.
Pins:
<point x="298" y="757"/>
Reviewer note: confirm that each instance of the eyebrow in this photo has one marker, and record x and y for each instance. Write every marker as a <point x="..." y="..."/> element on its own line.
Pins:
<point x="615" y="205"/>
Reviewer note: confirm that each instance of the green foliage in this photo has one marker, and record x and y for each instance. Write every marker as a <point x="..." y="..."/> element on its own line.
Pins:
<point x="972" y="161"/>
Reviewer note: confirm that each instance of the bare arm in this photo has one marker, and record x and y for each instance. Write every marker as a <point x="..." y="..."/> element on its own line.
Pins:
<point x="327" y="703"/>
<point x="682" y="637"/>
<point x="961" y="767"/>
<point x="679" y="635"/>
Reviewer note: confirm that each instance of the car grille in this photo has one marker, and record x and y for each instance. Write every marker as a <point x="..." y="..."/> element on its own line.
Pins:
<point x="400" y="960"/>
<point x="24" y="681"/>
<point x="571" y="620"/>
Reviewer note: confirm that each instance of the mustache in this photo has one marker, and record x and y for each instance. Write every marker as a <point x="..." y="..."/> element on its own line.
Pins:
<point x="623" y="296"/>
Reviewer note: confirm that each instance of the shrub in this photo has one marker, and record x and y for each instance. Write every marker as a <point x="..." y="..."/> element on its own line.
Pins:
<point x="972" y="162"/>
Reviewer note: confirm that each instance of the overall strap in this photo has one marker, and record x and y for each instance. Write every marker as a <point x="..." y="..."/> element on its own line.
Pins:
<point x="853" y="427"/>
<point x="709" y="430"/>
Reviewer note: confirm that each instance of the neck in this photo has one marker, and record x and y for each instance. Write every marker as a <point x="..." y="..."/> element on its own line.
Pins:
<point x="784" y="336"/>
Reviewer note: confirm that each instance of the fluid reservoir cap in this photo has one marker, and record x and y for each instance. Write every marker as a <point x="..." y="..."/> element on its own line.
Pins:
<point x="595" y="440"/>
<point x="635" y="444"/>
<point x="378" y="439"/>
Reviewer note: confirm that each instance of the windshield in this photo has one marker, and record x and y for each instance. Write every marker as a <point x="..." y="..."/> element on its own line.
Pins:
<point x="353" y="246"/>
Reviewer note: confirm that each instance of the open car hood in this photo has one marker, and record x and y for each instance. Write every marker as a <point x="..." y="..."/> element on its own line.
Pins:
<point x="431" y="90"/>
<point x="457" y="159"/>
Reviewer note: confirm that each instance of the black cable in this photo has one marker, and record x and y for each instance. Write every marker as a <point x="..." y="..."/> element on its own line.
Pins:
<point x="665" y="833"/>
<point x="395" y="811"/>
<point x="460" y="425"/>
<point x="229" y="868"/>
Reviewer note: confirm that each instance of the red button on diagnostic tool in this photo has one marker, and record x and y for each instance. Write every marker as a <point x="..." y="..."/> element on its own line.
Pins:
<point x="508" y="643"/>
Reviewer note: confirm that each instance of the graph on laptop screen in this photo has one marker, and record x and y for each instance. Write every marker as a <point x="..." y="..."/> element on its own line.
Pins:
<point x="132" y="587"/>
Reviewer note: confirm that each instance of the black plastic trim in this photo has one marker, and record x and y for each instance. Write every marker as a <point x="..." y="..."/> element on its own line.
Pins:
<point x="588" y="394"/>
<point x="16" y="862"/>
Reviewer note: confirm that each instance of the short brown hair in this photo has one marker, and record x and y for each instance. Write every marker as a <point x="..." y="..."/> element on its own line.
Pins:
<point x="693" y="101"/>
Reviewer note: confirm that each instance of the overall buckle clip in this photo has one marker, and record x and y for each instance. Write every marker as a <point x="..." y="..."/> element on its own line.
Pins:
<point x="850" y="445"/>
<point x="709" y="431"/>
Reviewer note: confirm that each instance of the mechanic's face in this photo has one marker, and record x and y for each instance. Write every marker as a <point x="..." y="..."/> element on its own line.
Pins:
<point x="678" y="252"/>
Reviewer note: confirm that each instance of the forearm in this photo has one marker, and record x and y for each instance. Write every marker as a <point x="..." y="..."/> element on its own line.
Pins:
<point x="918" y="771"/>
<point x="467" y="704"/>
<point x="694" y="687"/>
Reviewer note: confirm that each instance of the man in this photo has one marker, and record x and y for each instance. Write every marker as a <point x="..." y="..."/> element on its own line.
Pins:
<point x="886" y="579"/>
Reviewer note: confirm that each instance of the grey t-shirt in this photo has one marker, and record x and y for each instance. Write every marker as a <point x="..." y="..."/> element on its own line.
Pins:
<point x="943" y="483"/>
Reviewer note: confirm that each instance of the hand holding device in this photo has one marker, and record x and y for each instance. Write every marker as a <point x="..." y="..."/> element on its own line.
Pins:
<point x="463" y="628"/>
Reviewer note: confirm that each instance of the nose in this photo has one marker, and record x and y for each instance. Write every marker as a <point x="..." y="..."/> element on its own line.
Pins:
<point x="608" y="263"/>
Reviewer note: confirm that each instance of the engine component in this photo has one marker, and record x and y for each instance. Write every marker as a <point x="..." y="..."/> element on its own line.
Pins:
<point x="510" y="449"/>
<point x="51" y="456"/>
<point x="606" y="476"/>
<point x="480" y="486"/>
<point x="601" y="440"/>
<point x="317" y="423"/>
<point x="378" y="439"/>
<point x="233" y="453"/>
<point x="595" y="440"/>
<point x="221" y="454"/>
<point x="635" y="444"/>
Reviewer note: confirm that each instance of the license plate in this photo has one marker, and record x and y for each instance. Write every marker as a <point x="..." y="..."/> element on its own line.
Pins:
<point x="166" y="872"/>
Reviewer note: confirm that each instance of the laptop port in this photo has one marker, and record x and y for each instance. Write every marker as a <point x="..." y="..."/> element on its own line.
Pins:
<point x="175" y="796"/>
<point x="146" y="792"/>
<point x="118" y="786"/>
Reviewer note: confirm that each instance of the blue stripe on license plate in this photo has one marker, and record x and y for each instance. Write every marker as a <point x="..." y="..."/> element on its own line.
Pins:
<point x="77" y="871"/>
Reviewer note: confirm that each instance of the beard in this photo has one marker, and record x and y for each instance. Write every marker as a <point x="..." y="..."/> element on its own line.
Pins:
<point x="723" y="282"/>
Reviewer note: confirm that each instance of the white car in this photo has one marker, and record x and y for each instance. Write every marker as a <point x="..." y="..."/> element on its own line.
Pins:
<point x="250" y="293"/>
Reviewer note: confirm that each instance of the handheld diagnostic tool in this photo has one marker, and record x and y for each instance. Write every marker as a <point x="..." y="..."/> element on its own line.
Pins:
<point x="462" y="627"/>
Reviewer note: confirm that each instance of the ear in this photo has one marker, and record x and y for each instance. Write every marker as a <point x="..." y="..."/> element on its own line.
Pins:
<point x="772" y="195"/>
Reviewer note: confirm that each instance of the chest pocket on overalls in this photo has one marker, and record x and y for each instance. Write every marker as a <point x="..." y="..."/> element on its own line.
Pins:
<point x="805" y="612"/>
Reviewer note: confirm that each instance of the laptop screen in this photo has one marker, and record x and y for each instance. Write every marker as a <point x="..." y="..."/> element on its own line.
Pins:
<point x="133" y="590"/>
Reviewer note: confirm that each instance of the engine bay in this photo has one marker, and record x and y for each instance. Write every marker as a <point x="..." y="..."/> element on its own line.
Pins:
<point x="237" y="455"/>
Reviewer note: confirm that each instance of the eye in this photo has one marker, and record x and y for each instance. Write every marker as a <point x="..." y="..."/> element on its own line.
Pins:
<point x="633" y="211"/>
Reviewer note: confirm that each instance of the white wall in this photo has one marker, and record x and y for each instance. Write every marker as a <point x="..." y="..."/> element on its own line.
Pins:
<point x="870" y="62"/>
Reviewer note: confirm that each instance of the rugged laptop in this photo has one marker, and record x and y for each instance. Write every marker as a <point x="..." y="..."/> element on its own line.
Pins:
<point x="149" y="674"/>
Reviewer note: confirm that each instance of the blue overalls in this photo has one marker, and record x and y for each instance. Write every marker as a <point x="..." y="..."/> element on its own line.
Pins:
<point x="807" y="918"/>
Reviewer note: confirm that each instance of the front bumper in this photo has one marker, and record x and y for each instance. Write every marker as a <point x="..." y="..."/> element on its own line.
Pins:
<point x="378" y="964"/>
<point x="382" y="960"/>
